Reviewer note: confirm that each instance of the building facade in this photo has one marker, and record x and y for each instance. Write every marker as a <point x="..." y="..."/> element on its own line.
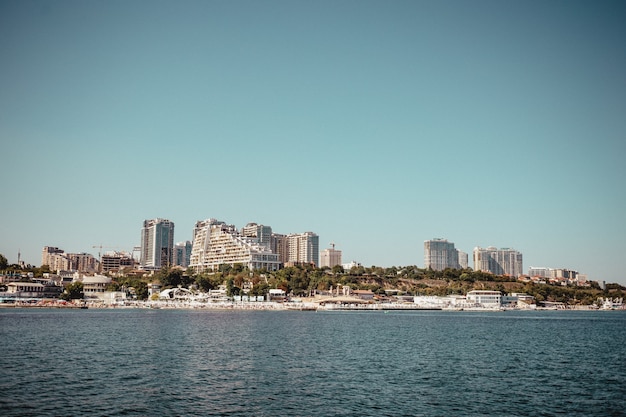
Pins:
<point x="552" y="273"/>
<point x="182" y="254"/>
<point x="539" y="272"/>
<point x="262" y="234"/>
<point x="485" y="298"/>
<point x="561" y="276"/>
<point x="440" y="254"/>
<point x="157" y="244"/>
<point x="303" y="248"/>
<point x="279" y="244"/>
<point x="463" y="259"/>
<point x="57" y="260"/>
<point x="54" y="258"/>
<point x="330" y="257"/>
<point x="26" y="289"/>
<point x="116" y="261"/>
<point x="82" y="262"/>
<point x="215" y="243"/>
<point x="94" y="285"/>
<point x="505" y="261"/>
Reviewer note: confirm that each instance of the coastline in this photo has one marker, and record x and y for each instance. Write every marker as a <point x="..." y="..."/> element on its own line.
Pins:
<point x="277" y="306"/>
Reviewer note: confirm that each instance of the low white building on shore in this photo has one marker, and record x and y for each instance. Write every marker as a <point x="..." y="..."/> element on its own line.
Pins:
<point x="485" y="298"/>
<point x="94" y="285"/>
<point x="433" y="301"/>
<point x="26" y="289"/>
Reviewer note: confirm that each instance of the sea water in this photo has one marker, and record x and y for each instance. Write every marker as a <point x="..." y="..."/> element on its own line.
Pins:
<point x="141" y="362"/>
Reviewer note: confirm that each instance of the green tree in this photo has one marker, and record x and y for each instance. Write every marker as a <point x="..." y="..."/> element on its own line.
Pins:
<point x="238" y="268"/>
<point x="38" y="272"/>
<point x="170" y="278"/>
<point x="260" y="289"/>
<point x="225" y="268"/>
<point x="186" y="280"/>
<point x="204" y="283"/>
<point x="231" y="289"/>
<point x="337" y="269"/>
<point x="141" y="290"/>
<point x="357" y="270"/>
<point x="73" y="291"/>
<point x="466" y="277"/>
<point x="3" y="262"/>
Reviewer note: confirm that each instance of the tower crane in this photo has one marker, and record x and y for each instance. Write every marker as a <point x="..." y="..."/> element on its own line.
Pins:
<point x="100" y="247"/>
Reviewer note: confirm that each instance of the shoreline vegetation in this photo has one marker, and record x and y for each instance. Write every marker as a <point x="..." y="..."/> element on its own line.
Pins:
<point x="387" y="284"/>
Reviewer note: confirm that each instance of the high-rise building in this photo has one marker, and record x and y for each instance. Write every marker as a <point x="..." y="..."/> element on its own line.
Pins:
<point x="330" y="257"/>
<point x="440" y="254"/>
<point x="57" y="260"/>
<point x="263" y="234"/>
<point x="503" y="261"/>
<point x="215" y="243"/>
<point x="463" y="259"/>
<point x="279" y="244"/>
<point x="157" y="244"/>
<point x="201" y="242"/>
<point x="303" y="248"/>
<point x="182" y="254"/>
<point x="82" y="262"/>
<point x="54" y="258"/>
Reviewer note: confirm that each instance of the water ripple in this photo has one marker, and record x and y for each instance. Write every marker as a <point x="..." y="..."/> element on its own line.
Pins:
<point x="199" y="363"/>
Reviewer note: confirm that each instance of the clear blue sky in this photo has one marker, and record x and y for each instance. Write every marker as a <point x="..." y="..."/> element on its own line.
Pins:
<point x="375" y="124"/>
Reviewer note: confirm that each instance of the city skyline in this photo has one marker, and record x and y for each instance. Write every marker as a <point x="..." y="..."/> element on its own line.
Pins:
<point x="439" y="253"/>
<point x="377" y="125"/>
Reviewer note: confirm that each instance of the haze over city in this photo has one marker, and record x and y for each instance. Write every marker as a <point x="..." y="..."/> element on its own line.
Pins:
<point x="377" y="125"/>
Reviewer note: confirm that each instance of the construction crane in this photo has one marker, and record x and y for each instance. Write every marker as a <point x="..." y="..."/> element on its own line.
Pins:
<point x="100" y="247"/>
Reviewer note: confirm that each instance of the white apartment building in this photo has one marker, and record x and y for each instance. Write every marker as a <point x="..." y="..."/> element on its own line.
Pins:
<point x="54" y="258"/>
<point x="303" y="248"/>
<point x="262" y="234"/>
<point x="440" y="254"/>
<point x="541" y="272"/>
<point x="215" y="243"/>
<point x="552" y="273"/>
<point x="503" y="261"/>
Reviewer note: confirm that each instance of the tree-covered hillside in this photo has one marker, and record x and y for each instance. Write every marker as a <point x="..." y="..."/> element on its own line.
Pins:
<point x="304" y="280"/>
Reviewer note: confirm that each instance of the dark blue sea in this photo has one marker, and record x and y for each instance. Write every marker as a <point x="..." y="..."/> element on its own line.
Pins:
<point x="285" y="363"/>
